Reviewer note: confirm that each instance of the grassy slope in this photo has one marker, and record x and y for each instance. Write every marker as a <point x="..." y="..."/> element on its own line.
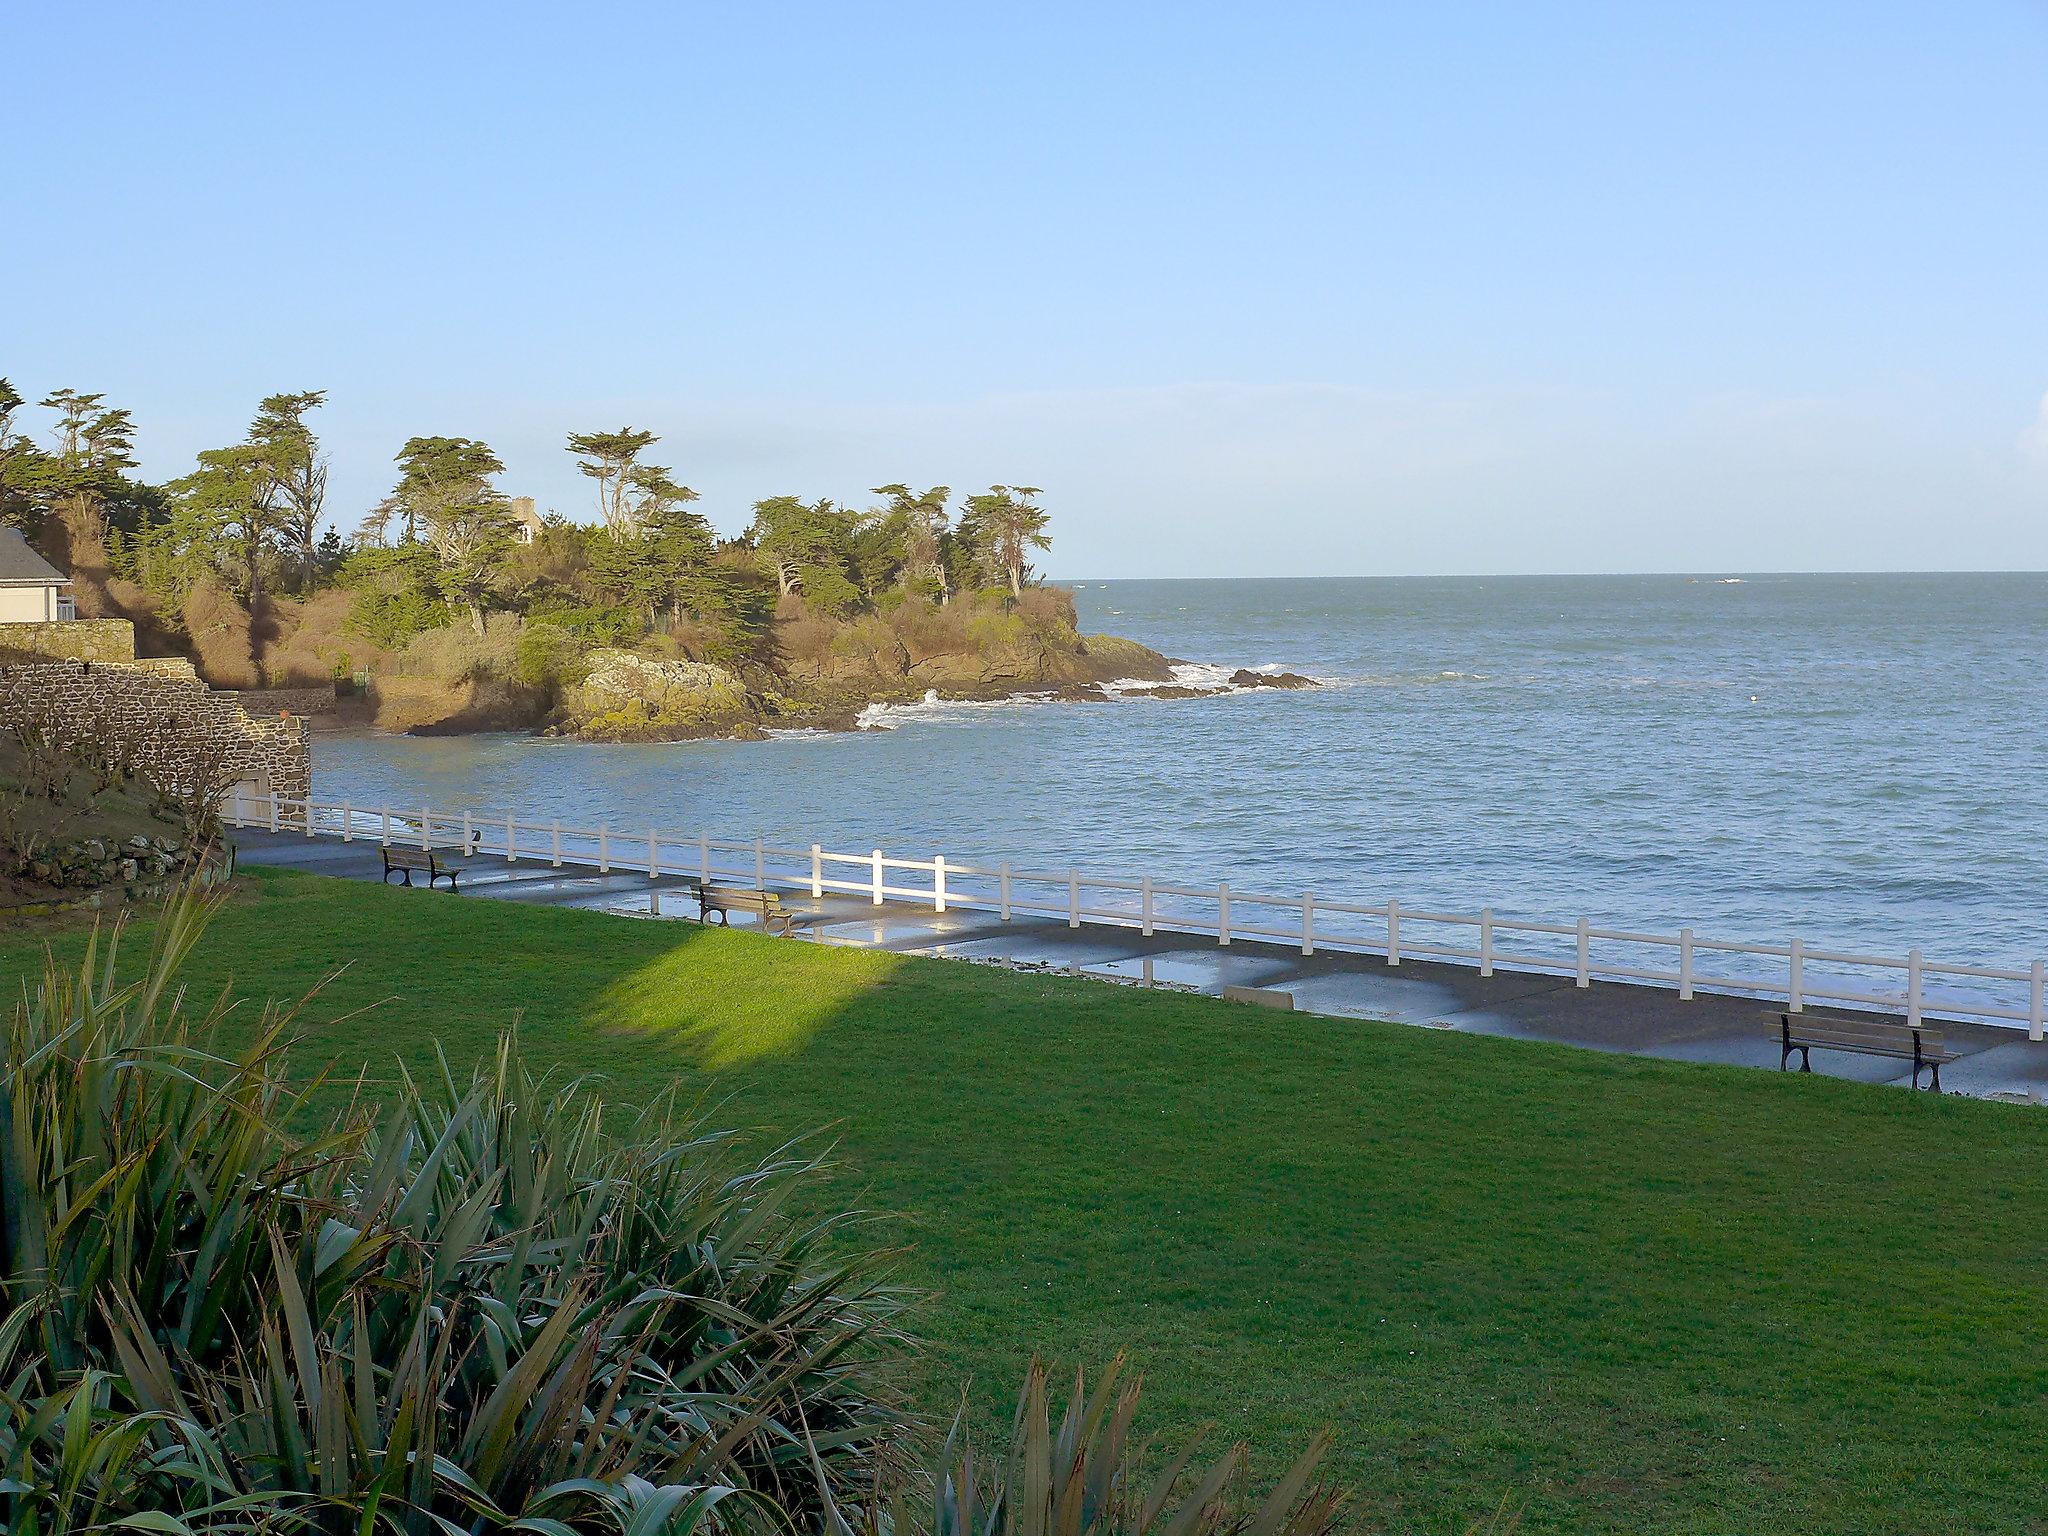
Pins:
<point x="1636" y="1295"/>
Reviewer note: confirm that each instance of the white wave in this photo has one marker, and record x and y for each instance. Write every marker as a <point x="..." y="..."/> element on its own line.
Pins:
<point x="933" y="710"/>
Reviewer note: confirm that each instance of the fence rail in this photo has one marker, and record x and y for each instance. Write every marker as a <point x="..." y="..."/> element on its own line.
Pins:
<point x="1909" y="984"/>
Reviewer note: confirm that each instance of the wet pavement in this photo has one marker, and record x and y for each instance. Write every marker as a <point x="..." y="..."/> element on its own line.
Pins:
<point x="1994" y="1062"/>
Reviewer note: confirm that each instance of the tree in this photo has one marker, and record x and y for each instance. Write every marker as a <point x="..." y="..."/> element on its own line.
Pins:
<point x="794" y="537"/>
<point x="444" y="489"/>
<point x="232" y="502"/>
<point x="299" y="471"/>
<point x="85" y="481"/>
<point x="927" y="534"/>
<point x="21" y="468"/>
<point x="263" y="495"/>
<point x="611" y="459"/>
<point x="373" y="532"/>
<point x="1001" y="529"/>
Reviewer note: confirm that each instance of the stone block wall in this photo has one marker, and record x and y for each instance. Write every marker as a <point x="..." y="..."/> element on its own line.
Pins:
<point x="71" y="639"/>
<point x="264" y="752"/>
<point x="290" y="701"/>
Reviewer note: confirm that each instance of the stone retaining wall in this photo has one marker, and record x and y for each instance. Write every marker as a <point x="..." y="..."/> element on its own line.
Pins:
<point x="72" y="639"/>
<point x="267" y="753"/>
<point x="289" y="701"/>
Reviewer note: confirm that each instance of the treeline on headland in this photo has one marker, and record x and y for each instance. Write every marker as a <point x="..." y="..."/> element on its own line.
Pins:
<point x="465" y="609"/>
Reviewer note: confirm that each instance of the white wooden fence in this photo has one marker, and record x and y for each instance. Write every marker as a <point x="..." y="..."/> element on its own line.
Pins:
<point x="1793" y="970"/>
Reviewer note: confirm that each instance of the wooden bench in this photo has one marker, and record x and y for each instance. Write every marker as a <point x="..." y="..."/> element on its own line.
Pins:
<point x="1810" y="1032"/>
<point x="426" y="861"/>
<point x="766" y="905"/>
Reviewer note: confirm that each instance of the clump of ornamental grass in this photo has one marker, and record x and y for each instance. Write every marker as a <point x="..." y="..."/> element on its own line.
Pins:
<point x="1089" y="1478"/>
<point x="475" y="1307"/>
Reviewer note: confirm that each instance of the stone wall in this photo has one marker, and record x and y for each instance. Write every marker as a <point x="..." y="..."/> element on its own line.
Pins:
<point x="71" y="639"/>
<point x="288" y="701"/>
<point x="267" y="753"/>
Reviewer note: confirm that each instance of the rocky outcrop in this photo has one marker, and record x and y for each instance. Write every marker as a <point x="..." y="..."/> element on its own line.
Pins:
<point x="1111" y="659"/>
<point x="1244" y="677"/>
<point x="629" y="697"/>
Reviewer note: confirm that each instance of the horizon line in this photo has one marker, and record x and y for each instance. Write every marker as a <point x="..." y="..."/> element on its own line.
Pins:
<point x="1724" y="573"/>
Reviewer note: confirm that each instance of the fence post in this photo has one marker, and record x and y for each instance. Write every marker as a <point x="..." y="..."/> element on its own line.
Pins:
<point x="426" y="829"/>
<point x="309" y="813"/>
<point x="653" y="856"/>
<point x="1393" y="931"/>
<point x="555" y="843"/>
<point x="1913" y="988"/>
<point x="760" y="864"/>
<point x="654" y="902"/>
<point x="604" y="848"/>
<point x="511" y="836"/>
<point x="468" y="836"/>
<point x="817" y="871"/>
<point x="878" y="877"/>
<point x="348" y="822"/>
<point x="2034" y="1019"/>
<point x="1222" y="912"/>
<point x="1585" y="952"/>
<point x="1685" y="965"/>
<point x="1073" y="899"/>
<point x="939" y="882"/>
<point x="235" y="807"/>
<point x="704" y="856"/>
<point x="384" y="835"/>
<point x="1005" y="888"/>
<point x="1308" y="922"/>
<point x="1486" y="941"/>
<point x="1145" y="906"/>
<point x="273" y="810"/>
<point x="1795" y="991"/>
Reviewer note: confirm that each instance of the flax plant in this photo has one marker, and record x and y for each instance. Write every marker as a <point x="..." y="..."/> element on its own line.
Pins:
<point x="471" y="1307"/>
<point x="1089" y="1478"/>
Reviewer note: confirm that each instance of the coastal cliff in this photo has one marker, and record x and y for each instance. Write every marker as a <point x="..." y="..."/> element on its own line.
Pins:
<point x="814" y="672"/>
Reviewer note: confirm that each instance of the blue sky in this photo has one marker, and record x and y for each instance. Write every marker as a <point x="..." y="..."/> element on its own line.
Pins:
<point x="1274" y="289"/>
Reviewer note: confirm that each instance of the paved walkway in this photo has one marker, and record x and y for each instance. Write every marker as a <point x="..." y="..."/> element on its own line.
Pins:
<point x="1607" y="1016"/>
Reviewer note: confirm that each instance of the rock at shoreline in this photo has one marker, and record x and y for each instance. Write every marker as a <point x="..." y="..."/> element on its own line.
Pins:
<point x="624" y="697"/>
<point x="1111" y="659"/>
<point x="1244" y="677"/>
<point x="1171" y="691"/>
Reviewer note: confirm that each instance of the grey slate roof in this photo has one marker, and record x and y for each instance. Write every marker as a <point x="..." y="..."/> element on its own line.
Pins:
<point x="21" y="566"/>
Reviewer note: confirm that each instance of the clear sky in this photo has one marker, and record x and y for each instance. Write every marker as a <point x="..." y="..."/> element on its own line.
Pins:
<point x="1249" y="289"/>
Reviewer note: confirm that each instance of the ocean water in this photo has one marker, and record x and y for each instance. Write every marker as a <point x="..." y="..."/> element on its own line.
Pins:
<point x="1860" y="760"/>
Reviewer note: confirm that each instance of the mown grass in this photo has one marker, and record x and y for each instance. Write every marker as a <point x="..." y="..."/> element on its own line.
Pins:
<point x="1627" y="1294"/>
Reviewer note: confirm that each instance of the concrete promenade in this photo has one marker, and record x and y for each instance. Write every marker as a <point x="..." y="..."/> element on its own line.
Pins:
<point x="1606" y="1016"/>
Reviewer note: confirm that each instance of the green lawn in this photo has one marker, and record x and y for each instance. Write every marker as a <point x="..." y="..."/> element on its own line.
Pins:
<point x="1632" y="1295"/>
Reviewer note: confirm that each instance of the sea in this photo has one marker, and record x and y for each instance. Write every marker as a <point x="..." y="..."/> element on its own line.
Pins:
<point x="1860" y="760"/>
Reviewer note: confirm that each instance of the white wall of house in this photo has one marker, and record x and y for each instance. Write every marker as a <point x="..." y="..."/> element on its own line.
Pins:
<point x="24" y="604"/>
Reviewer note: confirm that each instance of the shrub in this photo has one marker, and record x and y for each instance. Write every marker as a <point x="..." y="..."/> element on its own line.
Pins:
<point x="928" y="630"/>
<point x="312" y="644"/>
<point x="475" y="1306"/>
<point x="548" y="657"/>
<point x="458" y="654"/>
<point x="223" y="647"/>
